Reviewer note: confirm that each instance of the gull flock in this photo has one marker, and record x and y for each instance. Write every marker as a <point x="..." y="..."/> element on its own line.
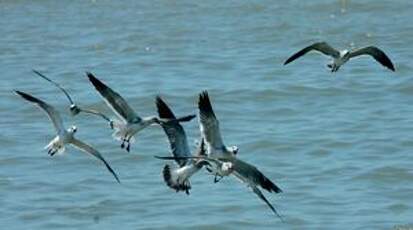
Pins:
<point x="211" y="154"/>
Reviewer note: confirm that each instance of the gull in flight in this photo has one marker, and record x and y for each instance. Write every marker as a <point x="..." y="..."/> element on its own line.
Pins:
<point x="210" y="132"/>
<point x="74" y="109"/>
<point x="64" y="137"/>
<point x="224" y="158"/>
<point x="341" y="57"/>
<point x="244" y="172"/>
<point x="178" y="178"/>
<point x="221" y="160"/>
<point x="129" y="122"/>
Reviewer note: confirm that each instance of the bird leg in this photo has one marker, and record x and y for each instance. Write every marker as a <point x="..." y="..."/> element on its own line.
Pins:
<point x="216" y="180"/>
<point x="52" y="152"/>
<point x="123" y="143"/>
<point x="128" y="142"/>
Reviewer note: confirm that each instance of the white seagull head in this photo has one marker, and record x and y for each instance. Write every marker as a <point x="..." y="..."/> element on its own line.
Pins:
<point x="233" y="149"/>
<point x="74" y="110"/>
<point x="72" y="129"/>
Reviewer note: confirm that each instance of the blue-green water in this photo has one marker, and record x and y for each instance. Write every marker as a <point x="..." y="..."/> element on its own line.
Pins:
<point x="339" y="145"/>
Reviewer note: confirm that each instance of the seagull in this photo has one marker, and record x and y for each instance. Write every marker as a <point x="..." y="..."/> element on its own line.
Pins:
<point x="129" y="122"/>
<point x="210" y="132"/>
<point x="243" y="171"/>
<point x="64" y="137"/>
<point x="341" y="57"/>
<point x="178" y="178"/>
<point x="74" y="109"/>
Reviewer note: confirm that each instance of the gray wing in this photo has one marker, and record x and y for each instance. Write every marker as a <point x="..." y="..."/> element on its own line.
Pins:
<point x="174" y="131"/>
<point x="251" y="175"/>
<point x="209" y="124"/>
<point x="322" y="47"/>
<point x="50" y="110"/>
<point x="376" y="53"/>
<point x="114" y="101"/>
<point x="70" y="99"/>
<point x="88" y="149"/>
<point x="253" y="178"/>
<point x="56" y="84"/>
<point x="262" y="197"/>
<point x="97" y="113"/>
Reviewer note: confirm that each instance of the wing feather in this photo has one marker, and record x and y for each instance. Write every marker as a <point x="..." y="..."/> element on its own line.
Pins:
<point x="52" y="113"/>
<point x="174" y="131"/>
<point x="244" y="177"/>
<point x="376" y="53"/>
<point x="209" y="124"/>
<point x="114" y="101"/>
<point x="322" y="47"/>
<point x="252" y="175"/>
<point x="56" y="84"/>
<point x="89" y="149"/>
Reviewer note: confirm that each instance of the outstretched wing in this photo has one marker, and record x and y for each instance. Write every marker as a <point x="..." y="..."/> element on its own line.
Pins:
<point x="97" y="113"/>
<point x="253" y="178"/>
<point x="376" y="53"/>
<point x="114" y="101"/>
<point x="90" y="111"/>
<point x="209" y="124"/>
<point x="56" y="84"/>
<point x="322" y="47"/>
<point x="88" y="149"/>
<point x="262" y="197"/>
<point x="50" y="110"/>
<point x="251" y="175"/>
<point x="174" y="131"/>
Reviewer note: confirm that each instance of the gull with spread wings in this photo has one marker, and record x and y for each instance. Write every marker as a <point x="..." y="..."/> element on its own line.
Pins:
<point x="341" y="57"/>
<point x="224" y="158"/>
<point x="129" y="122"/>
<point x="74" y="109"/>
<point x="178" y="178"/>
<point x="64" y="137"/>
<point x="210" y="132"/>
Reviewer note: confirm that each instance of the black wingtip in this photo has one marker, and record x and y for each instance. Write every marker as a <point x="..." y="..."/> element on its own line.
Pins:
<point x="20" y="93"/>
<point x="99" y="85"/>
<point x="204" y="103"/>
<point x="163" y="109"/>
<point x="273" y="187"/>
<point x="26" y="96"/>
<point x="109" y="168"/>
<point x="117" y="178"/>
<point x="186" y="118"/>
<point x="37" y="72"/>
<point x="262" y="197"/>
<point x="115" y="175"/>
<point x="268" y="185"/>
<point x="391" y="67"/>
<point x="41" y="75"/>
<point x="91" y="77"/>
<point x="204" y="95"/>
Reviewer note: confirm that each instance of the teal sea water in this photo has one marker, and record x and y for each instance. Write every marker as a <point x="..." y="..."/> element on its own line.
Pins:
<point x="339" y="145"/>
